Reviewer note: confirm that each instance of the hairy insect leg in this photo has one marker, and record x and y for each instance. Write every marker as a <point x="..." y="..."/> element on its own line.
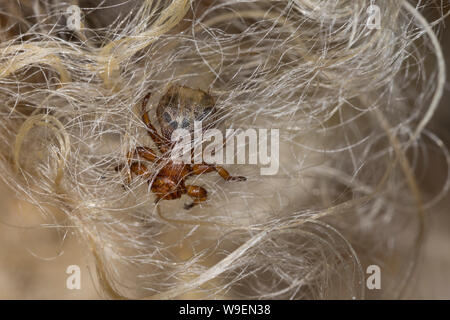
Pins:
<point x="160" y="142"/>
<point x="198" y="169"/>
<point x="198" y="194"/>
<point x="143" y="152"/>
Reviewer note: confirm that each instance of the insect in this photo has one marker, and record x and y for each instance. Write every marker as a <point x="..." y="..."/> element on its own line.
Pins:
<point x="179" y="107"/>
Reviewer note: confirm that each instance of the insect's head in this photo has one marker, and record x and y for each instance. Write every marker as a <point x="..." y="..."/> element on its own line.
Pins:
<point x="180" y="107"/>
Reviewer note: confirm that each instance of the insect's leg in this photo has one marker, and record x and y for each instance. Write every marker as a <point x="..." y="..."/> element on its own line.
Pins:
<point x="119" y="167"/>
<point x="160" y="142"/>
<point x="140" y="169"/>
<point x="198" y="169"/>
<point x="198" y="194"/>
<point x="136" y="168"/>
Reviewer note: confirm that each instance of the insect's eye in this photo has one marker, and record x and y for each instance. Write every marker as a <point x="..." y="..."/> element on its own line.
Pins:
<point x="204" y="114"/>
<point x="166" y="117"/>
<point x="185" y="123"/>
<point x="174" y="124"/>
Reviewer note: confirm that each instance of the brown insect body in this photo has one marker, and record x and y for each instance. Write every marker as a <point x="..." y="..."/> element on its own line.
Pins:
<point x="178" y="108"/>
